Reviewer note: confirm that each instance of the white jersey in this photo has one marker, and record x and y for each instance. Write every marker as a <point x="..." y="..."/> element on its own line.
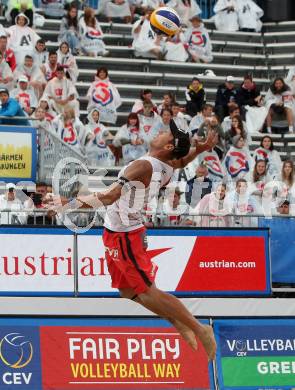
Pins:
<point x="125" y="215"/>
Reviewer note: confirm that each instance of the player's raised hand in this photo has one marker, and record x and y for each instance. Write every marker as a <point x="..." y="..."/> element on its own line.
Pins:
<point x="211" y="140"/>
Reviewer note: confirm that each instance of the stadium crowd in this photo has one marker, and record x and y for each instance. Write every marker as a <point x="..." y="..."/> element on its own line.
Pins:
<point x="38" y="85"/>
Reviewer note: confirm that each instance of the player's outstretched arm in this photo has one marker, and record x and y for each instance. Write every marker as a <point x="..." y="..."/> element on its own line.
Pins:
<point x="139" y="171"/>
<point x="199" y="148"/>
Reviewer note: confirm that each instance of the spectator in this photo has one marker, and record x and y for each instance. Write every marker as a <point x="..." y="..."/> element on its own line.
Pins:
<point x="91" y="35"/>
<point x="132" y="139"/>
<point x="21" y="7"/>
<point x="42" y="122"/>
<point x="168" y="100"/>
<point x="33" y="73"/>
<point x="13" y="207"/>
<point x="103" y="95"/>
<point x="249" y="15"/>
<point x="243" y="204"/>
<point x="186" y="9"/>
<point x="146" y="43"/>
<point x="248" y="94"/>
<point x="50" y="114"/>
<point x="145" y="96"/>
<point x="10" y="108"/>
<point x="198" y="120"/>
<point x="40" y="53"/>
<point x="233" y="111"/>
<point x="211" y="160"/>
<point x="25" y="95"/>
<point x="175" y="50"/>
<point x="147" y="120"/>
<point x="195" y="97"/>
<point x="67" y="60"/>
<point x="226" y="15"/>
<point x="171" y="213"/>
<point x="286" y="181"/>
<point x="52" y="8"/>
<point x="213" y="209"/>
<point x="212" y="124"/>
<point x="69" y="30"/>
<point x="197" y="41"/>
<point x="97" y="141"/>
<point x="267" y="152"/>
<point x="259" y="178"/>
<point x="280" y="99"/>
<point x="50" y="66"/>
<point x="6" y="75"/>
<point x="237" y="128"/>
<point x="118" y="9"/>
<point x="61" y="92"/>
<point x="283" y="207"/>
<point x="7" y="54"/>
<point x="197" y="187"/>
<point x="238" y="161"/>
<point x="37" y="200"/>
<point x="21" y="38"/>
<point x="163" y="124"/>
<point x="178" y="117"/>
<point x="226" y="96"/>
<point x="69" y="128"/>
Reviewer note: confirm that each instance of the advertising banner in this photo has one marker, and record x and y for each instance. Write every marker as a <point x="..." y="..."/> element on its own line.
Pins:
<point x="36" y="261"/>
<point x="18" y="153"/>
<point x="255" y="354"/>
<point x="206" y="262"/>
<point x="65" y="354"/>
<point x="282" y="248"/>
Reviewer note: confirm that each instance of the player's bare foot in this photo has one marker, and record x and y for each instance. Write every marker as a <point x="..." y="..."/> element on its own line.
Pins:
<point x="207" y="338"/>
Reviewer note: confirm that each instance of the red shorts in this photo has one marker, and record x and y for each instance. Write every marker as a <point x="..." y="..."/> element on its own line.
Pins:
<point x="127" y="259"/>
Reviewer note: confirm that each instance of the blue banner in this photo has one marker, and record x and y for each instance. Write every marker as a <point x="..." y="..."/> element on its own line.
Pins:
<point x="282" y="240"/>
<point x="255" y="354"/>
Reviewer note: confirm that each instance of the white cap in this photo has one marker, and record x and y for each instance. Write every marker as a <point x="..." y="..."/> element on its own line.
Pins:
<point x="10" y="185"/>
<point x="230" y="79"/>
<point x="23" y="78"/>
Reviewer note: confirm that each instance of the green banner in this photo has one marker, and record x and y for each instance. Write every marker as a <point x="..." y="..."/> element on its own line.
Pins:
<point x="258" y="371"/>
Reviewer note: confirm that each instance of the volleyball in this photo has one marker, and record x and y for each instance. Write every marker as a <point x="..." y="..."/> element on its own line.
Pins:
<point x="165" y="20"/>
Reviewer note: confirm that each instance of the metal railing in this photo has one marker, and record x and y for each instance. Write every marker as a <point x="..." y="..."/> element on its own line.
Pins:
<point x="58" y="161"/>
<point x="82" y="217"/>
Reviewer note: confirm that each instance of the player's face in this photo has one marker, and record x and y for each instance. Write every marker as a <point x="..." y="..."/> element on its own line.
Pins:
<point x="162" y="139"/>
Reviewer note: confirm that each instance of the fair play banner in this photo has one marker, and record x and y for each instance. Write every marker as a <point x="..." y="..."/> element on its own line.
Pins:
<point x="65" y="354"/>
<point x="191" y="262"/>
<point x="255" y="354"/>
<point x="36" y="261"/>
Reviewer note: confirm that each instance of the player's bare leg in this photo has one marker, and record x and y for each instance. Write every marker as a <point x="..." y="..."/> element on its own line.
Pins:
<point x="171" y="307"/>
<point x="186" y="333"/>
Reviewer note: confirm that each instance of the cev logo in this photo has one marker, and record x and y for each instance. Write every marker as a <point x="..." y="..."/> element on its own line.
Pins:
<point x="102" y="94"/>
<point x="15" y="350"/>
